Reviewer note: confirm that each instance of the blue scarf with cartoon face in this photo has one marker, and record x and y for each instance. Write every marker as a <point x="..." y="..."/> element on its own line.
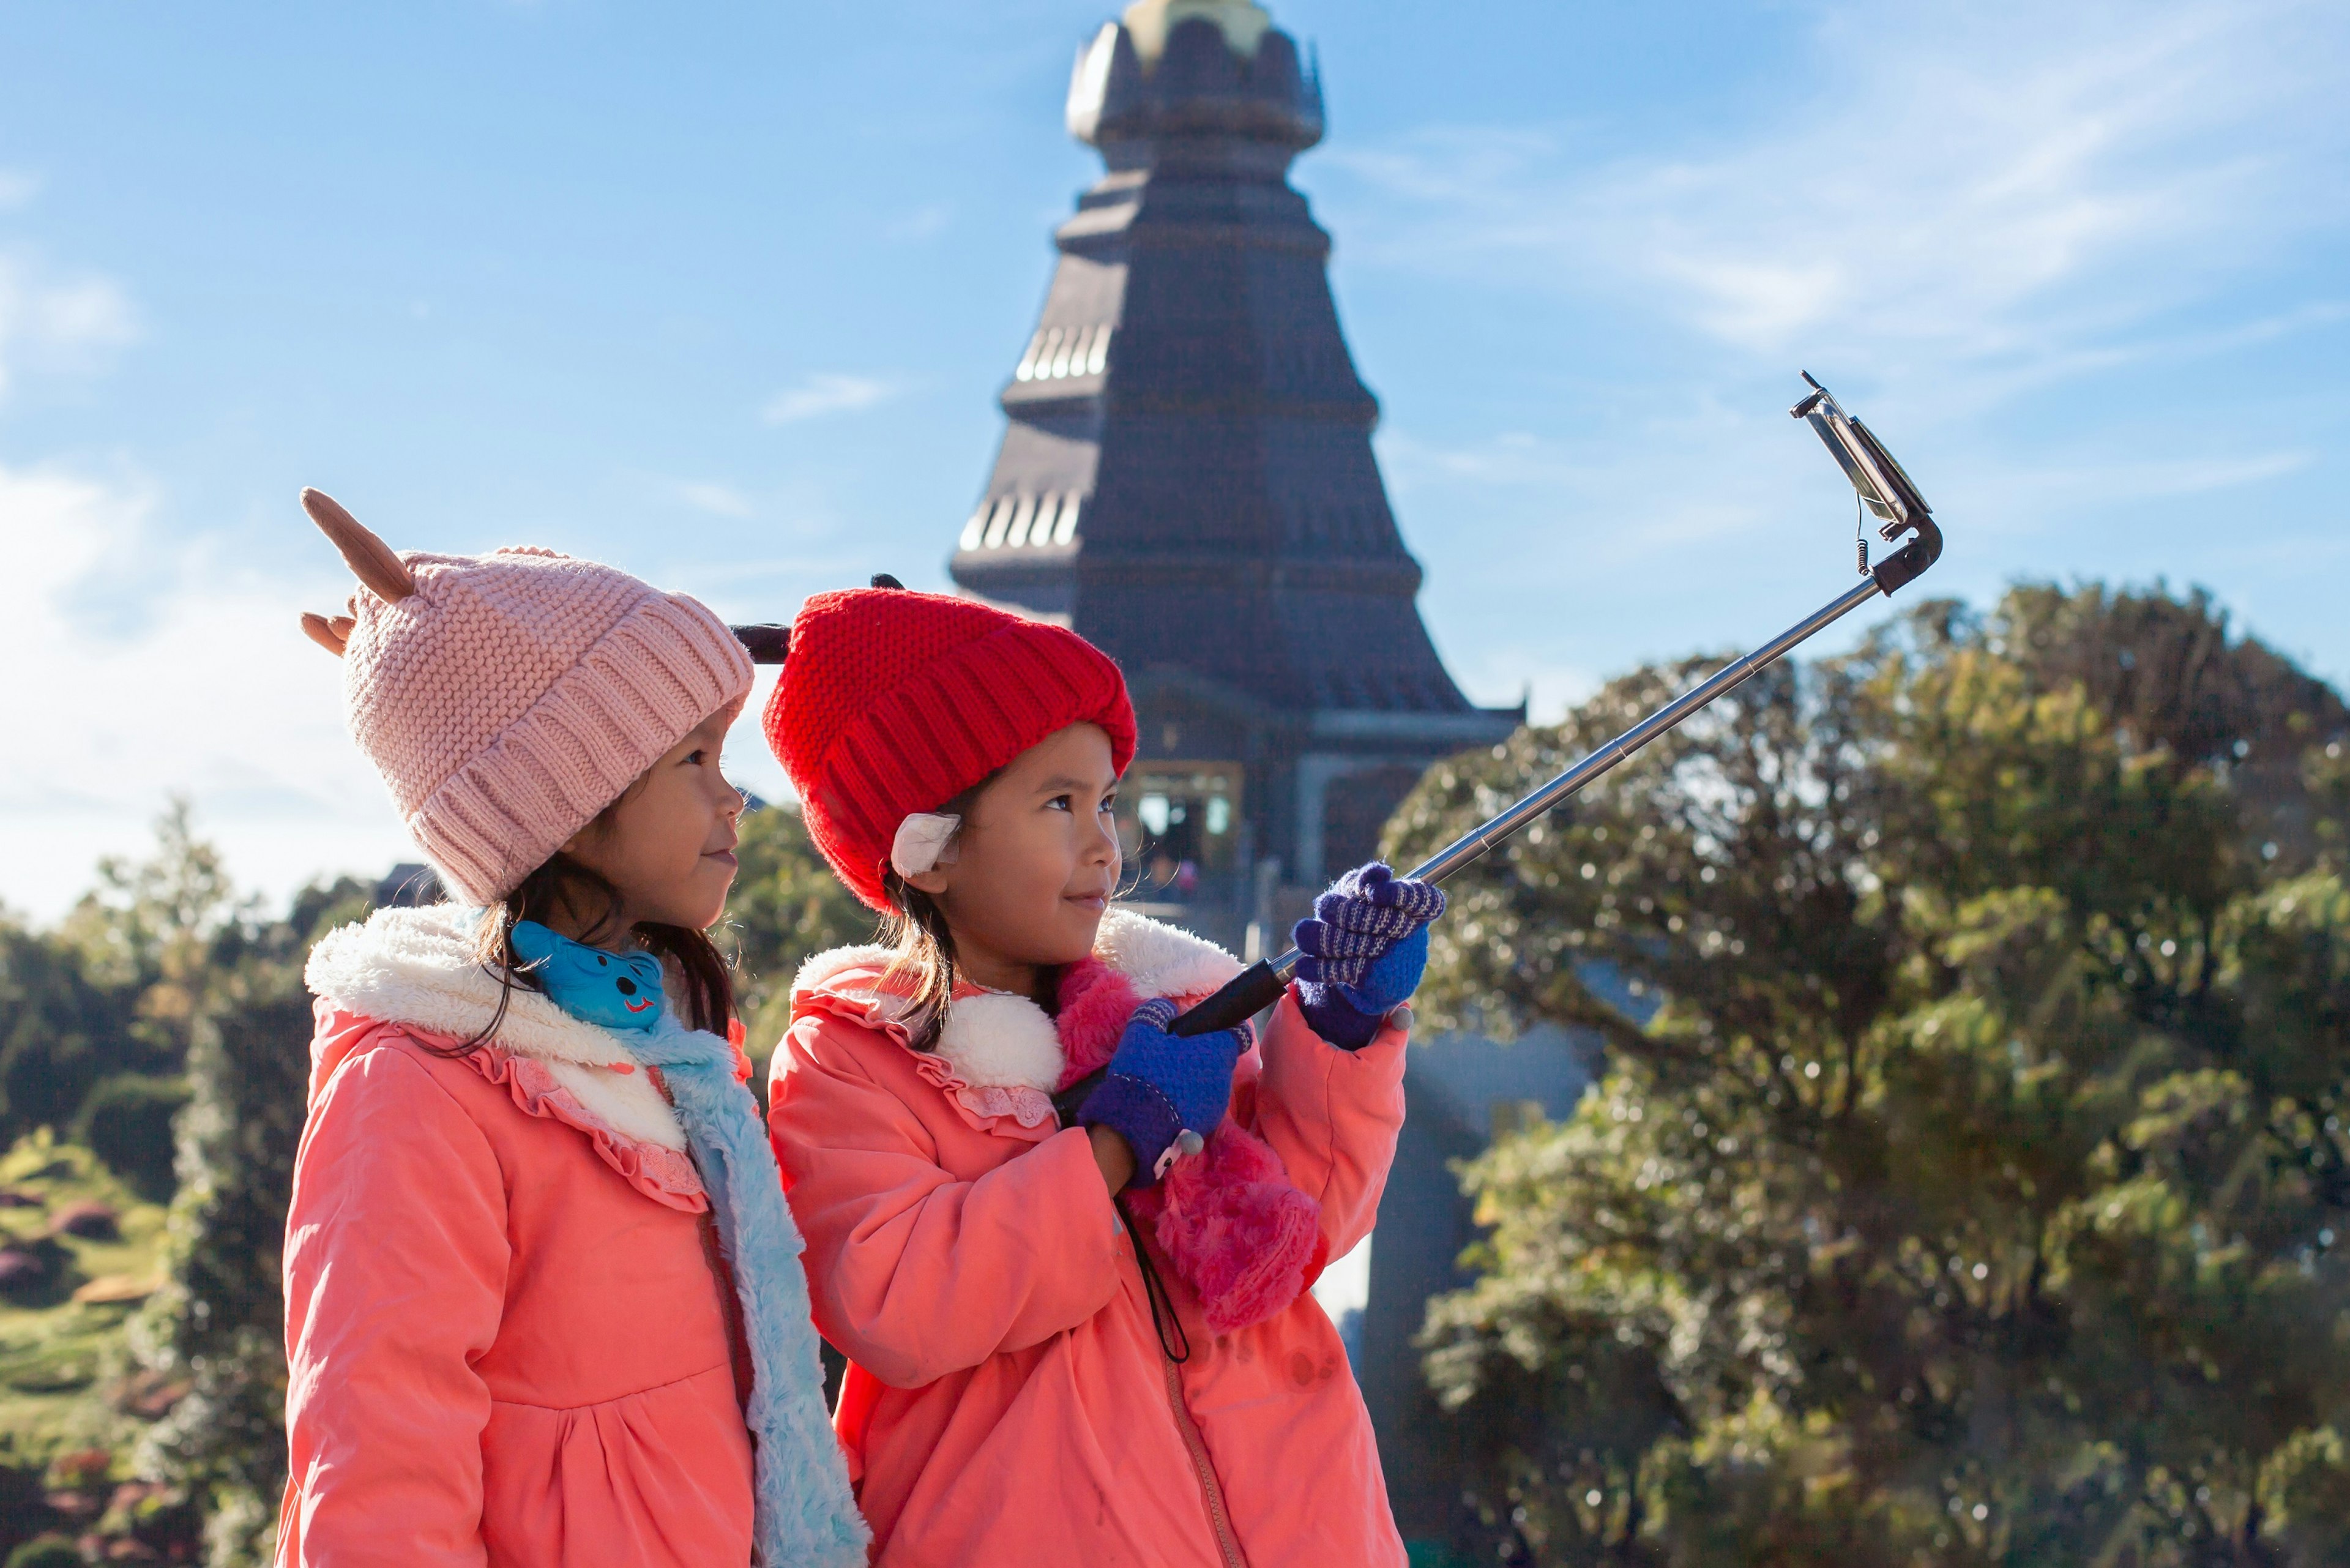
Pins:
<point x="621" y="991"/>
<point x="806" y="1513"/>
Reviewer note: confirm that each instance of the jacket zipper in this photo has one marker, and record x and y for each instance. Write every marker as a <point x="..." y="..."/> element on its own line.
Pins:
<point x="1225" y="1542"/>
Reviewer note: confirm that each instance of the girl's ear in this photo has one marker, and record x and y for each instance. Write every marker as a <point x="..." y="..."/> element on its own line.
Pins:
<point x="935" y="882"/>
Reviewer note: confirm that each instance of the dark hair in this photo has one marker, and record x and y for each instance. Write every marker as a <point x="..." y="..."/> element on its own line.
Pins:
<point x="916" y="927"/>
<point x="566" y="892"/>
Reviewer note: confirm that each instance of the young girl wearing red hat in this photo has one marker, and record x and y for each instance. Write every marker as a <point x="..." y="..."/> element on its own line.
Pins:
<point x="1087" y="1343"/>
<point x="542" y="1304"/>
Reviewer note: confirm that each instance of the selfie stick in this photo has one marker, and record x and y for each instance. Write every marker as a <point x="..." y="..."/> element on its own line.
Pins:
<point x="1883" y="488"/>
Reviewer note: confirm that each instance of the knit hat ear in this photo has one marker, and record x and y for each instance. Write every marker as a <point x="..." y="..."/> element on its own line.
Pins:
<point x="331" y="633"/>
<point x="370" y="560"/>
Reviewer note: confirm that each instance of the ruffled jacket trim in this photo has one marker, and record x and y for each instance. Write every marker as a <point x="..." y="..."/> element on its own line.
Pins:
<point x="665" y="1175"/>
<point x="417" y="969"/>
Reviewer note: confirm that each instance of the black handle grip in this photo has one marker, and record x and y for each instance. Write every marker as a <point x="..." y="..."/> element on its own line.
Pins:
<point x="1244" y="996"/>
<point x="766" y="643"/>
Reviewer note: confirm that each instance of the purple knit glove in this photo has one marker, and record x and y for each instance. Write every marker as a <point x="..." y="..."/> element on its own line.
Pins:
<point x="1160" y="1087"/>
<point x="1366" y="949"/>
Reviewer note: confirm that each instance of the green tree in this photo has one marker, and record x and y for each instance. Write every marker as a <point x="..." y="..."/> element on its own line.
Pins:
<point x="157" y="927"/>
<point x="126" y="1120"/>
<point x="218" y="1326"/>
<point x="61" y="1032"/>
<point x="787" y="907"/>
<point x="95" y="1016"/>
<point x="1973" y="1193"/>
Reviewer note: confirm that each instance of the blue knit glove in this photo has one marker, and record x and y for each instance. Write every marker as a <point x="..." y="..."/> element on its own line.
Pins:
<point x="1159" y="1088"/>
<point x="1366" y="949"/>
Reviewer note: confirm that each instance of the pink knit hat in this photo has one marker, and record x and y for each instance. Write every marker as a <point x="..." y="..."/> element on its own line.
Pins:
<point x="509" y="698"/>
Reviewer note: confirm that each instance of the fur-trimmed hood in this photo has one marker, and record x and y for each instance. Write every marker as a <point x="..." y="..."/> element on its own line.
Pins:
<point x="419" y="967"/>
<point x="995" y="1039"/>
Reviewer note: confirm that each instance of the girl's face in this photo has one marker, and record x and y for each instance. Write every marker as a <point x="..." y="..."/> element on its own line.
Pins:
<point x="1035" y="863"/>
<point x="668" y="843"/>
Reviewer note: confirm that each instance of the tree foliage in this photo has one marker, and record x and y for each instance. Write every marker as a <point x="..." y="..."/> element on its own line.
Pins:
<point x="164" y="1024"/>
<point x="1973" y="1194"/>
<point x="217" y="1328"/>
<point x="110" y="997"/>
<point x="126" y="1120"/>
<point x="61" y="1032"/>
<point x="787" y="907"/>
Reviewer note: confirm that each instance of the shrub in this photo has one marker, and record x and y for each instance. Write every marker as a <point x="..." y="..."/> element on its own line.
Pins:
<point x="31" y="1271"/>
<point x="46" y="1551"/>
<point x="89" y="1222"/>
<point x="126" y="1120"/>
<point x="1977" y="1193"/>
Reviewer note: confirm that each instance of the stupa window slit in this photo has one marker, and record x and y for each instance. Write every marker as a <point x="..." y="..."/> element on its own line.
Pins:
<point x="1010" y="522"/>
<point x="1057" y="353"/>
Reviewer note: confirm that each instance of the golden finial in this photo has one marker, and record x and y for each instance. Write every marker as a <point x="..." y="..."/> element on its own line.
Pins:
<point x="1244" y="24"/>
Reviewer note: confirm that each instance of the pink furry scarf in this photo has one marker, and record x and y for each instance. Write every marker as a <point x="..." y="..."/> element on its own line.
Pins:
<point x="1235" y="1230"/>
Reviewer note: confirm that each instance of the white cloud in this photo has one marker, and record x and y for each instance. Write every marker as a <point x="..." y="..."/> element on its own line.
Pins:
<point x="718" y="500"/>
<point x="1650" y="474"/>
<point x="61" y="324"/>
<point x="148" y="660"/>
<point x="827" y="393"/>
<point x="2006" y="185"/>
<point x="924" y="223"/>
<point x="2016" y="238"/>
<point x="144" y="664"/>
<point x="16" y="188"/>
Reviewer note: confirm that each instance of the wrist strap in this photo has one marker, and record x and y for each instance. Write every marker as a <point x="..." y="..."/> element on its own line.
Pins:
<point x="1173" y="1343"/>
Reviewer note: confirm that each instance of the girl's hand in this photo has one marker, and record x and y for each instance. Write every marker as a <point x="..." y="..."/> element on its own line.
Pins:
<point x="1113" y="1156"/>
<point x="1366" y="948"/>
<point x="1160" y="1087"/>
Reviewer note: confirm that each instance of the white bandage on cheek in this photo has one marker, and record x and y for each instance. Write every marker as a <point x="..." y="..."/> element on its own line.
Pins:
<point x="921" y="842"/>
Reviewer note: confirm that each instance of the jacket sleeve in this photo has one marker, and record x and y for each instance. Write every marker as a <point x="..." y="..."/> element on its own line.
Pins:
<point x="914" y="1274"/>
<point x="396" y="1262"/>
<point x="1333" y="1116"/>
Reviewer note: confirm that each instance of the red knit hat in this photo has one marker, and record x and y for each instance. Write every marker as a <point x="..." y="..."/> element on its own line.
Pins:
<point x="894" y="702"/>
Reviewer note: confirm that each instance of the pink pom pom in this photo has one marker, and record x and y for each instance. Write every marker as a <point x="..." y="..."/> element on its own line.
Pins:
<point x="1097" y="1000"/>
<point x="1237" y="1232"/>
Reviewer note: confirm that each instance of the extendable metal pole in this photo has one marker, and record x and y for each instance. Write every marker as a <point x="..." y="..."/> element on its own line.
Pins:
<point x="1259" y="985"/>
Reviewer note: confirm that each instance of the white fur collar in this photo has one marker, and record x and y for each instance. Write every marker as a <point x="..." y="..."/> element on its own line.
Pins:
<point x="418" y="966"/>
<point x="1000" y="1041"/>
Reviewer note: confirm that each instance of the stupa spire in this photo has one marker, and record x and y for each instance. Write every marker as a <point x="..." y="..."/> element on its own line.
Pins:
<point x="1187" y="475"/>
<point x="1194" y="78"/>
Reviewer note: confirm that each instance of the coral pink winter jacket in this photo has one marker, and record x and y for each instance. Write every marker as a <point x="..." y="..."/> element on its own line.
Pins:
<point x="1008" y="1402"/>
<point x="508" y="1338"/>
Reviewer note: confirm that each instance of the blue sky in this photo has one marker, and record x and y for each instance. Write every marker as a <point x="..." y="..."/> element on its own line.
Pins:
<point x="724" y="294"/>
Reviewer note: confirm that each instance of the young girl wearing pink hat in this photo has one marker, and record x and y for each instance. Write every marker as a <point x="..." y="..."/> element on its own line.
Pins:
<point x="543" y="1299"/>
<point x="1087" y="1343"/>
